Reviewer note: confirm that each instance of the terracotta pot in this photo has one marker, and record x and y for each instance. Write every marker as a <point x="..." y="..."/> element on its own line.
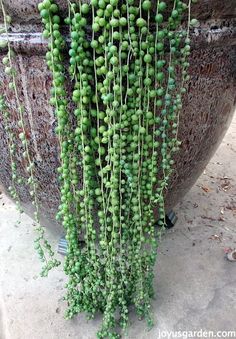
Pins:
<point x="208" y="105"/>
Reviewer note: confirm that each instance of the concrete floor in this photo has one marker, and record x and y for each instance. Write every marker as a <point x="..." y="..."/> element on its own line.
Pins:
<point x="195" y="284"/>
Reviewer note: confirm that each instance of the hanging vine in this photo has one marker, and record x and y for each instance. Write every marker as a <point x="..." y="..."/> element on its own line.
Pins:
<point x="118" y="133"/>
<point x="42" y="246"/>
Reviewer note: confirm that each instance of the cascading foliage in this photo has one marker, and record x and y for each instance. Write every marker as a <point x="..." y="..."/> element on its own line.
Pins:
<point x="128" y="64"/>
<point x="13" y="141"/>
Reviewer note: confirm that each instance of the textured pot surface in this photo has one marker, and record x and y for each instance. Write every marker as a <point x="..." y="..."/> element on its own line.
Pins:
<point x="208" y="105"/>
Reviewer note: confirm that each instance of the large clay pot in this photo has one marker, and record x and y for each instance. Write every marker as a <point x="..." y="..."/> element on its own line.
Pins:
<point x="208" y="105"/>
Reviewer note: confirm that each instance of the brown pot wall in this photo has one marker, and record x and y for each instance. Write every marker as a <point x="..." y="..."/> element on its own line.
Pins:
<point x="207" y="112"/>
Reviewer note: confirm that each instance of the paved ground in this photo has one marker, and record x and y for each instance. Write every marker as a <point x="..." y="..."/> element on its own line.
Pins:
<point x="195" y="284"/>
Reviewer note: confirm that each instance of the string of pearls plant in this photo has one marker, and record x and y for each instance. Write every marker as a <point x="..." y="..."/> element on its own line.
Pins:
<point x="42" y="246"/>
<point x="118" y="133"/>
